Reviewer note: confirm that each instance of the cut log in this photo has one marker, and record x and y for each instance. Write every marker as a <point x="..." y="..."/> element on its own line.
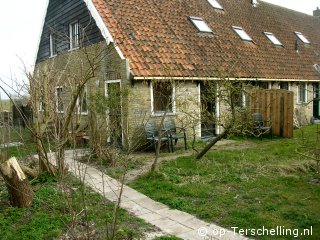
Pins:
<point x="17" y="183"/>
<point x="34" y="173"/>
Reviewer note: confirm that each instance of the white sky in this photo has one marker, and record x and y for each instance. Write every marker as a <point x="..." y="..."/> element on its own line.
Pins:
<point x="20" y="27"/>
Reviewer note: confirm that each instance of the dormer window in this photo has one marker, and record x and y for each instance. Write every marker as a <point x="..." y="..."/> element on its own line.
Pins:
<point x="302" y="38"/>
<point x="74" y="35"/>
<point x="242" y="34"/>
<point x="215" y="4"/>
<point x="200" y="24"/>
<point x="273" y="39"/>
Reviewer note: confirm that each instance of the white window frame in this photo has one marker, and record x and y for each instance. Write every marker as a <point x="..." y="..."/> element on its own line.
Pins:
<point x="161" y="113"/>
<point x="242" y="34"/>
<point x="273" y="39"/>
<point x="57" y="99"/>
<point x="302" y="37"/>
<point x="79" y="106"/>
<point x="106" y="90"/>
<point x="53" y="45"/>
<point x="200" y="24"/>
<point x="74" y="35"/>
<point x="41" y="105"/>
<point x="305" y="100"/>
<point x="215" y="4"/>
<point x="106" y="95"/>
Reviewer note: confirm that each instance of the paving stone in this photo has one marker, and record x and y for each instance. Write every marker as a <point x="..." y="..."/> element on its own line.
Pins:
<point x="133" y="194"/>
<point x="175" y="215"/>
<point x="195" y="223"/>
<point x="170" y="226"/>
<point x="134" y="208"/>
<point x="194" y="235"/>
<point x="170" y="221"/>
<point x="148" y="217"/>
<point x="151" y="204"/>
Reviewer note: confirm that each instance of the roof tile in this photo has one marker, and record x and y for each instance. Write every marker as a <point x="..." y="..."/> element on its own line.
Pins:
<point x="166" y="42"/>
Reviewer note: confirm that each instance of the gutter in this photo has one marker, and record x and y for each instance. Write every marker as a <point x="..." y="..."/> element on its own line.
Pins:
<point x="216" y="79"/>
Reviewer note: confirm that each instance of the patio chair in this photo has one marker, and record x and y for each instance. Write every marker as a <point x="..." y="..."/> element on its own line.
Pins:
<point x="170" y="126"/>
<point x="152" y="134"/>
<point x="261" y="126"/>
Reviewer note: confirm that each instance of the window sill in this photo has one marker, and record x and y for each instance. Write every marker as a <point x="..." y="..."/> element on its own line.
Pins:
<point x="53" y="56"/>
<point x="161" y="114"/>
<point x="301" y="103"/>
<point x="73" y="49"/>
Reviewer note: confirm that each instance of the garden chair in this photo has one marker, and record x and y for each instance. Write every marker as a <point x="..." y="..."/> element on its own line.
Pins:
<point x="260" y="126"/>
<point x="152" y="134"/>
<point x="170" y="126"/>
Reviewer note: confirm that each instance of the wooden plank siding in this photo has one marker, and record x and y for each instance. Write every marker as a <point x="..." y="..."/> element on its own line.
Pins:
<point x="276" y="106"/>
<point x="60" y="14"/>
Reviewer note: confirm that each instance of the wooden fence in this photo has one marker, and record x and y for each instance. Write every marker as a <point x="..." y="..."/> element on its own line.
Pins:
<point x="277" y="106"/>
<point x="5" y="118"/>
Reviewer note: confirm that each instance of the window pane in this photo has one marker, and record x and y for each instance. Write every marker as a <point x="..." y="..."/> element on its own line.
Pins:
<point x="273" y="39"/>
<point x="53" y="45"/>
<point x="74" y="35"/>
<point x="242" y="34"/>
<point x="302" y="92"/>
<point x="200" y="24"/>
<point x="59" y="100"/>
<point x="162" y="97"/>
<point x="215" y="4"/>
<point x="84" y="103"/>
<point x="263" y="85"/>
<point x="302" y="38"/>
<point x="284" y="85"/>
<point x="236" y="95"/>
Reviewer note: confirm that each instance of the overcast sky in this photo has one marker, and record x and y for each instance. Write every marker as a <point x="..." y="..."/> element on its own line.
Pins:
<point x="20" y="27"/>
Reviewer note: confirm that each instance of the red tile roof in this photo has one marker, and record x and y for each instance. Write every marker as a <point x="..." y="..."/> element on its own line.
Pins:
<point x="159" y="40"/>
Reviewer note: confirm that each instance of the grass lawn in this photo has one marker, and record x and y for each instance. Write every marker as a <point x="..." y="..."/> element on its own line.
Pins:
<point x="267" y="184"/>
<point x="59" y="214"/>
<point x="17" y="134"/>
<point x="5" y="105"/>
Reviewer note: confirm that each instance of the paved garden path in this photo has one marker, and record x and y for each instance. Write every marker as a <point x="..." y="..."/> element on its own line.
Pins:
<point x="170" y="221"/>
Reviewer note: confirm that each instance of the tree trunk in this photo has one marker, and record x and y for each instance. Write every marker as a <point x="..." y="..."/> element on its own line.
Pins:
<point x="211" y="144"/>
<point x="18" y="186"/>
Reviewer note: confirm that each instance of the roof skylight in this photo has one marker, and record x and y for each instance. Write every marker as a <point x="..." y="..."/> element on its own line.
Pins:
<point x="200" y="24"/>
<point x="273" y="39"/>
<point x="215" y="4"/>
<point x="302" y="38"/>
<point x="242" y="34"/>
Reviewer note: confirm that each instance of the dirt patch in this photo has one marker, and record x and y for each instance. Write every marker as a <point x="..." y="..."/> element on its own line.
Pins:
<point x="149" y="158"/>
<point x="136" y="173"/>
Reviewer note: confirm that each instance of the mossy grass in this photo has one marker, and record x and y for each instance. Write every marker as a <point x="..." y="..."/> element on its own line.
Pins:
<point x="265" y="185"/>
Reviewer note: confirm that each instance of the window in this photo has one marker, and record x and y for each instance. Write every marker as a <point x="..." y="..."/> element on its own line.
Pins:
<point x="284" y="85"/>
<point x="74" y="35"/>
<point x="215" y="4"/>
<point x="316" y="67"/>
<point x="42" y="105"/>
<point x="264" y="85"/>
<point x="200" y="24"/>
<point x="82" y="101"/>
<point x="237" y="96"/>
<point x="242" y="34"/>
<point x="162" y="94"/>
<point x="302" y="38"/>
<point x="53" y="45"/>
<point x="302" y="93"/>
<point x="273" y="39"/>
<point x="59" y="99"/>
